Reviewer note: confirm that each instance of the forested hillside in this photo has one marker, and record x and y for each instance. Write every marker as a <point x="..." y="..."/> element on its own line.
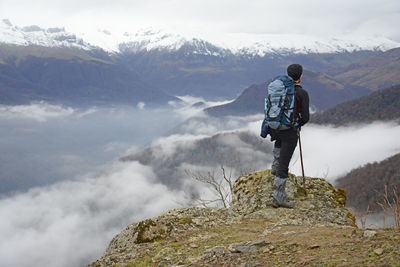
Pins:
<point x="380" y="105"/>
<point x="365" y="185"/>
<point x="232" y="150"/>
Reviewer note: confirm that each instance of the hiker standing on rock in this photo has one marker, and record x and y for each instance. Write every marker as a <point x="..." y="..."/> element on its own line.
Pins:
<point x="286" y="110"/>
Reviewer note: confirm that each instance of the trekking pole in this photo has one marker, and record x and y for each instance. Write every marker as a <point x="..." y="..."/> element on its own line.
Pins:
<point x="301" y="160"/>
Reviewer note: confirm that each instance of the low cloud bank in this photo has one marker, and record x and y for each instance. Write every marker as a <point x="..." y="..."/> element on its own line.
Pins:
<point x="69" y="223"/>
<point x="193" y="106"/>
<point x="44" y="143"/>
<point x="328" y="152"/>
<point x="40" y="111"/>
<point x="331" y="152"/>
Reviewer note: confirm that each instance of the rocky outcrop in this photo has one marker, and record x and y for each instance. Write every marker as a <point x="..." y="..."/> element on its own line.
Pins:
<point x="321" y="204"/>
<point x="221" y="233"/>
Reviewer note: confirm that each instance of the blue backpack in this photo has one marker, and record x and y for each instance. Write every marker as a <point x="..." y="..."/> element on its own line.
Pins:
<point x="279" y="104"/>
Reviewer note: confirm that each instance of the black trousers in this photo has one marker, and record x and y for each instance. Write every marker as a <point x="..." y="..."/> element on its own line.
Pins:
<point x="286" y="140"/>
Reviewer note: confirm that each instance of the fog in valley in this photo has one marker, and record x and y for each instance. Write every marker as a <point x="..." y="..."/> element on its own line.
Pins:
<point x="43" y="143"/>
<point x="65" y="193"/>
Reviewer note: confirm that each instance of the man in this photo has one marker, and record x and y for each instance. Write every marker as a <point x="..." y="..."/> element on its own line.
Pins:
<point x="286" y="140"/>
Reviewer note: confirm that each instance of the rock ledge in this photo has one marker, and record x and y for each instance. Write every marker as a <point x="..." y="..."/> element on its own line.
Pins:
<point x="152" y="240"/>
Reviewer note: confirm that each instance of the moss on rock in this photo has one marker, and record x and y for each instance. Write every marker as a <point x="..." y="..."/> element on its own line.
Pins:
<point x="182" y="234"/>
<point x="252" y="196"/>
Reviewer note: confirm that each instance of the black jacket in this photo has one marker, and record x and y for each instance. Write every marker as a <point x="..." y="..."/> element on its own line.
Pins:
<point x="302" y="105"/>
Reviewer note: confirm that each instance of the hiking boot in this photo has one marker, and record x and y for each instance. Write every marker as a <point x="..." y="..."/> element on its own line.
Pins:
<point x="280" y="198"/>
<point x="279" y="190"/>
<point x="287" y="204"/>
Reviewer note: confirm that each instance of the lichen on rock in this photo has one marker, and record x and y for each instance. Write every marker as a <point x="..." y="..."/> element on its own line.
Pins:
<point x="252" y="197"/>
<point x="154" y="240"/>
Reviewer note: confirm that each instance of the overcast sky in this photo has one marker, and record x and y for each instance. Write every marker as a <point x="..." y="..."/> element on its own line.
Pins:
<point x="314" y="17"/>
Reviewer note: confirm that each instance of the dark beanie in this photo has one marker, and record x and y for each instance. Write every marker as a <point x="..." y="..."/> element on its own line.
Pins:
<point x="295" y="71"/>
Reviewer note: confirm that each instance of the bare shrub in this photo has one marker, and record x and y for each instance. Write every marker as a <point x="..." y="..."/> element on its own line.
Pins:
<point x="221" y="184"/>
<point x="219" y="180"/>
<point x="362" y="216"/>
<point x="391" y="203"/>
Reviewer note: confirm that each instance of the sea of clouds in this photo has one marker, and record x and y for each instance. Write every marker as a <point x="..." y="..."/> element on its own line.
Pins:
<point x="71" y="222"/>
<point x="88" y="196"/>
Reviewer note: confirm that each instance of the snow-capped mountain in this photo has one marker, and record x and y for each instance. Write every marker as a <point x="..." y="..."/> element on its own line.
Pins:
<point x="34" y="35"/>
<point x="203" y="44"/>
<point x="148" y="40"/>
<point x="238" y="44"/>
<point x="112" y="67"/>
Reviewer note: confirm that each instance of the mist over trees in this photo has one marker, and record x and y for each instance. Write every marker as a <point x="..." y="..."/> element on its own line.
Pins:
<point x="241" y="151"/>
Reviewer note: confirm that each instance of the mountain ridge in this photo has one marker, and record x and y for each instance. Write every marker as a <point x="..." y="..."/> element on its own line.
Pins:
<point x="173" y="64"/>
<point x="151" y="39"/>
<point x="324" y="92"/>
<point x="71" y="76"/>
<point x="381" y="105"/>
<point x="376" y="72"/>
